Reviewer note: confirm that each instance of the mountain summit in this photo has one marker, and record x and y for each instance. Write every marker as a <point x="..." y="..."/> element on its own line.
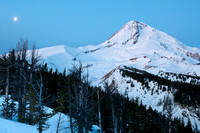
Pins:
<point x="129" y="33"/>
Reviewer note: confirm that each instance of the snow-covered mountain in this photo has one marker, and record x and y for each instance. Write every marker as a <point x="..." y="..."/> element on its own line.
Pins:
<point x="135" y="46"/>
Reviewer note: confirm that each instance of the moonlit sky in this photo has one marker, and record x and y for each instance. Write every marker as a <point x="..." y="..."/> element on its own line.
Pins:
<point x="90" y="22"/>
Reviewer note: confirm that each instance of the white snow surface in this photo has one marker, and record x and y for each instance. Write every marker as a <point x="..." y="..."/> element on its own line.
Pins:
<point x="8" y="126"/>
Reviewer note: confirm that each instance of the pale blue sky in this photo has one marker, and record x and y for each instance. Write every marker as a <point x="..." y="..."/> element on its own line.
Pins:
<point x="91" y="22"/>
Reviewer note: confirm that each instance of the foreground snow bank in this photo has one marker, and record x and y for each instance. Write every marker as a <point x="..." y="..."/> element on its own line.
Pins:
<point x="8" y="126"/>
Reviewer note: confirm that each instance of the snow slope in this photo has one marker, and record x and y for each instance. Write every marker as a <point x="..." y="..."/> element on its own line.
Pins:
<point x="8" y="126"/>
<point x="151" y="96"/>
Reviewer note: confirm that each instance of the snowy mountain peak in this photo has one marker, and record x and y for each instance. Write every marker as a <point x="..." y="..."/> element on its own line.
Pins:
<point x="130" y="32"/>
<point x="135" y="31"/>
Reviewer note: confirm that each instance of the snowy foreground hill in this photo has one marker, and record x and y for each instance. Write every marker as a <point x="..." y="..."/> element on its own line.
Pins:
<point x="13" y="126"/>
<point x="136" y="47"/>
<point x="8" y="126"/>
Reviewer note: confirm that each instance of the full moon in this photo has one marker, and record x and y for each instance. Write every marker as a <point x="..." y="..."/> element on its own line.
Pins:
<point x="15" y="19"/>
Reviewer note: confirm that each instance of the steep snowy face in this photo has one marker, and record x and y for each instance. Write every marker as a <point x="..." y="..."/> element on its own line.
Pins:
<point x="128" y="34"/>
<point x="150" y="40"/>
